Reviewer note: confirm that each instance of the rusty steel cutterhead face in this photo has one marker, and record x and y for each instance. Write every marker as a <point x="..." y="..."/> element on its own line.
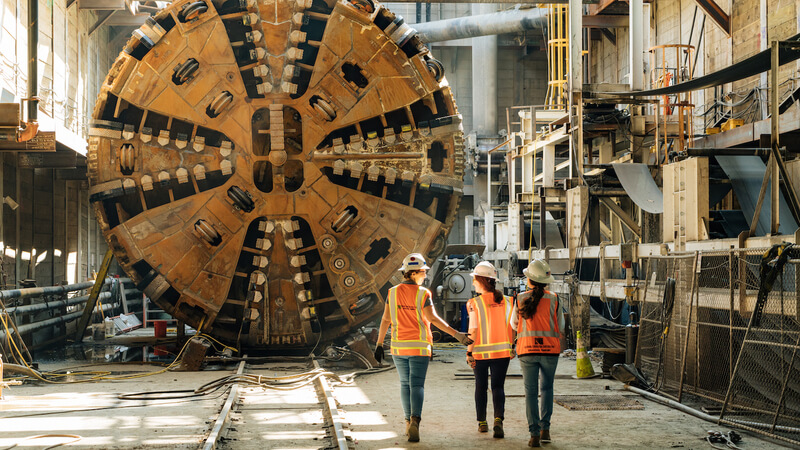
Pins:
<point x="261" y="167"/>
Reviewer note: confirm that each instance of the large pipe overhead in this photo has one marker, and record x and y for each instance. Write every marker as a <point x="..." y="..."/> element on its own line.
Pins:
<point x="503" y="22"/>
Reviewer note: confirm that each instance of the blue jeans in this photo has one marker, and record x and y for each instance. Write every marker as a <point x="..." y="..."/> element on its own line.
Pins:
<point x="531" y="366"/>
<point x="412" y="371"/>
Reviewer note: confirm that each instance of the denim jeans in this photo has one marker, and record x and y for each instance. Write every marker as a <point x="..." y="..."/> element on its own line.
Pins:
<point x="531" y="366"/>
<point x="499" y="368"/>
<point x="412" y="371"/>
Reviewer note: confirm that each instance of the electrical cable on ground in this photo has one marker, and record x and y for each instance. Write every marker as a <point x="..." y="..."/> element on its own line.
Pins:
<point x="74" y="437"/>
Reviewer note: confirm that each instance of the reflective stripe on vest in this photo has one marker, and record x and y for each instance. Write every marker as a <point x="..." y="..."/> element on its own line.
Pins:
<point x="493" y="339"/>
<point x="540" y="333"/>
<point x="411" y="334"/>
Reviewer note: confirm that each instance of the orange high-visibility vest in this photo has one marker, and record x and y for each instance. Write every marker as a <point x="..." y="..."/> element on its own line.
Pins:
<point x="411" y="331"/>
<point x="539" y="334"/>
<point x="493" y="339"/>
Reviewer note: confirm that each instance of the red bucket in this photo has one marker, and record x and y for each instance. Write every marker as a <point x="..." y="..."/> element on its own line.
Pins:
<point x="160" y="328"/>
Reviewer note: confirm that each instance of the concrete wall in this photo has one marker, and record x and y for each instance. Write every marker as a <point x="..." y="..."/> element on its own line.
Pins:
<point x="52" y="236"/>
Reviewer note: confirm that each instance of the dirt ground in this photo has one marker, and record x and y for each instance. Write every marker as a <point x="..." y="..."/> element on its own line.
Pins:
<point x="371" y="406"/>
<point x="449" y="421"/>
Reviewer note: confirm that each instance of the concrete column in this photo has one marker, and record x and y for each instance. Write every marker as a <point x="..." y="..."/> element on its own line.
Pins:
<point x="763" y="44"/>
<point x="469" y="229"/>
<point x="606" y="151"/>
<point x="516" y="227"/>
<point x="549" y="166"/>
<point x="484" y="78"/>
<point x="488" y="227"/>
<point x="636" y="31"/>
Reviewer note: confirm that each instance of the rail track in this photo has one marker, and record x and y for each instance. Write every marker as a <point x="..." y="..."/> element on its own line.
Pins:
<point x="292" y="406"/>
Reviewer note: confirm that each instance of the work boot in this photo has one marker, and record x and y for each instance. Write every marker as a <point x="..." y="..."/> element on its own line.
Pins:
<point x="413" y="429"/>
<point x="483" y="427"/>
<point x="534" y="442"/>
<point x="546" y="436"/>
<point x="498" y="427"/>
<point x="408" y="424"/>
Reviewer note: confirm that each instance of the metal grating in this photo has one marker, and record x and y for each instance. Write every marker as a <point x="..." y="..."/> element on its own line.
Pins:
<point x="598" y="402"/>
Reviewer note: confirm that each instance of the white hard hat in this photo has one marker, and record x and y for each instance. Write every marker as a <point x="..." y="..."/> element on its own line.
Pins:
<point x="414" y="261"/>
<point x="485" y="269"/>
<point x="538" y="271"/>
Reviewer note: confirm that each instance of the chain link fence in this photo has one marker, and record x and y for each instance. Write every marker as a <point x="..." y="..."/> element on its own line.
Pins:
<point x="714" y="331"/>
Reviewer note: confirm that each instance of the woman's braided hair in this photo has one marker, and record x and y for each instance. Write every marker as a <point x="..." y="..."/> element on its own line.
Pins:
<point x="490" y="285"/>
<point x="528" y="309"/>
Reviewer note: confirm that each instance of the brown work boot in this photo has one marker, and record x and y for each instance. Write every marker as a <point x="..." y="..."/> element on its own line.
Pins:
<point x="546" y="436"/>
<point x="483" y="427"/>
<point x="534" y="442"/>
<point x="408" y="424"/>
<point x="498" y="428"/>
<point x="413" y="429"/>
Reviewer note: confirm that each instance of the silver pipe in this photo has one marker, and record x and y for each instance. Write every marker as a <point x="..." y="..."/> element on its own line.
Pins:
<point x="482" y="25"/>
<point x="27" y="309"/>
<point x="673" y="404"/>
<point x="50" y="290"/>
<point x="30" y="327"/>
<point x="746" y="424"/>
<point x="53" y="290"/>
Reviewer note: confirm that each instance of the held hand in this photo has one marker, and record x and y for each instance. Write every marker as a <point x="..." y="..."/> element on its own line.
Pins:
<point x="471" y="361"/>
<point x="379" y="353"/>
<point x="463" y="338"/>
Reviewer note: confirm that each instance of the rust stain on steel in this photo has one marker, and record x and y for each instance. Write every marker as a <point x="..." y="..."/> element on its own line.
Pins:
<point x="240" y="156"/>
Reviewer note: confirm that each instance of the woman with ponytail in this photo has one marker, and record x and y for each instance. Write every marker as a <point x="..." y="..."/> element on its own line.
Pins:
<point x="539" y="322"/>
<point x="490" y="326"/>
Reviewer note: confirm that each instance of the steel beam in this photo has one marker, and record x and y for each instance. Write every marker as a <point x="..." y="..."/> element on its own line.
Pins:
<point x="623" y="216"/>
<point x="95" y="5"/>
<point x="93" y="294"/>
<point x="616" y="21"/>
<point x="600" y="6"/>
<point x="575" y="20"/>
<point x="716" y="14"/>
<point x="102" y="18"/>
<point x="610" y="35"/>
<point x="775" y="194"/>
<point x="127" y="20"/>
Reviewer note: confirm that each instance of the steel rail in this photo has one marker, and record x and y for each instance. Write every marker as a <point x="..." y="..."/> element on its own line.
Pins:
<point x="331" y="410"/>
<point x="224" y="414"/>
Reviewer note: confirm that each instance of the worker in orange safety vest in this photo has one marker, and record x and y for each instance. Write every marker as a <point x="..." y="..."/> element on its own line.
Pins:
<point x="409" y="311"/>
<point x="490" y="327"/>
<point x="539" y="321"/>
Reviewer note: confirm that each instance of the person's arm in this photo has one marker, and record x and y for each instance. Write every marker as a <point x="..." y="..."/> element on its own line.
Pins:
<point x="386" y="320"/>
<point x="434" y="318"/>
<point x="473" y="323"/>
